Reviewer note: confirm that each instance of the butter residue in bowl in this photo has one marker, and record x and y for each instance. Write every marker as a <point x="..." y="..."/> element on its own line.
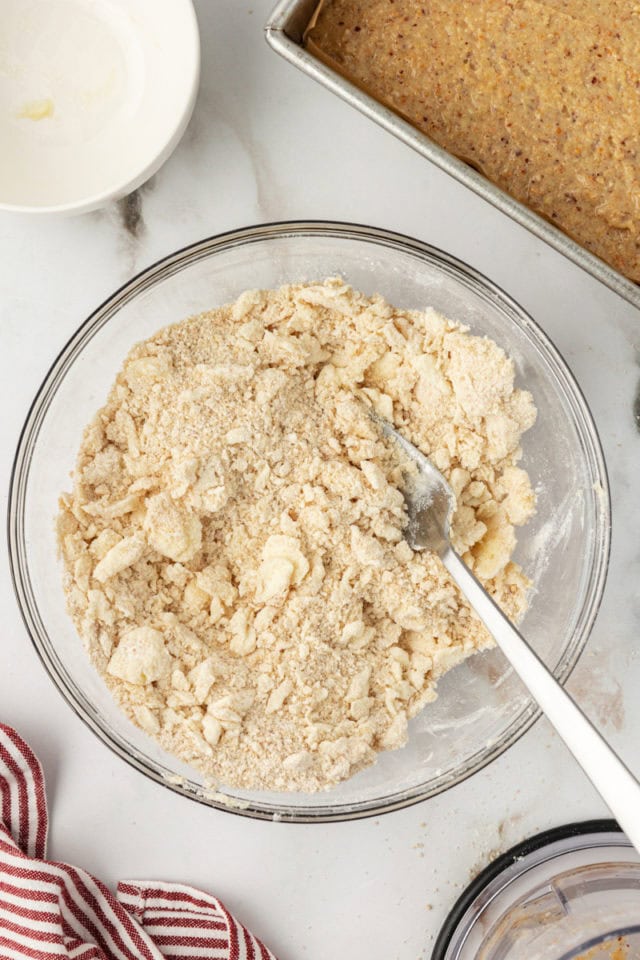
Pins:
<point x="37" y="109"/>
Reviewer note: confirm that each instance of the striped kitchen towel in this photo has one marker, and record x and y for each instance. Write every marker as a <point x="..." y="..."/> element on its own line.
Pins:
<point x="50" y="909"/>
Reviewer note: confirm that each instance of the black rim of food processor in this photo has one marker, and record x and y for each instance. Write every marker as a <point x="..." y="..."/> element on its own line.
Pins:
<point x="505" y="860"/>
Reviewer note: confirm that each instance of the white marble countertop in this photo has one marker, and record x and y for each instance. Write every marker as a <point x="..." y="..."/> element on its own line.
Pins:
<point x="266" y="143"/>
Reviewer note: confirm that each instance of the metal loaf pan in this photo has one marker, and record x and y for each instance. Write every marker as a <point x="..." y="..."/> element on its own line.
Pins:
<point x="284" y="33"/>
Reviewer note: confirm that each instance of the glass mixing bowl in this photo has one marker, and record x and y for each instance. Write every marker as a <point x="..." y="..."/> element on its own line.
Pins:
<point x="481" y="708"/>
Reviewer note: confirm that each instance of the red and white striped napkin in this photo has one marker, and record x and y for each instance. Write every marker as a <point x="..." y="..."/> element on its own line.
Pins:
<point x="52" y="909"/>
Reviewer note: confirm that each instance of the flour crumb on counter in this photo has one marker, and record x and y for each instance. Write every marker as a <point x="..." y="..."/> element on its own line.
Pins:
<point x="233" y="544"/>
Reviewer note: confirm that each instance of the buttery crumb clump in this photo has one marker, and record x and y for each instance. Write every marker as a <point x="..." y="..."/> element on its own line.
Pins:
<point x="233" y="544"/>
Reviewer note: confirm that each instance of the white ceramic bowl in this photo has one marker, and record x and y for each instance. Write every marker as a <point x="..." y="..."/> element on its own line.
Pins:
<point x="94" y="96"/>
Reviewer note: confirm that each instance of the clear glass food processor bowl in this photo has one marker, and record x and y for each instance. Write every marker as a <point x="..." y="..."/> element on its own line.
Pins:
<point x="572" y="893"/>
<point x="481" y="708"/>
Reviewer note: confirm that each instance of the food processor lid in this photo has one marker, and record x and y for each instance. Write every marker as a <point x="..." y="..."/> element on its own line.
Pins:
<point x="570" y="893"/>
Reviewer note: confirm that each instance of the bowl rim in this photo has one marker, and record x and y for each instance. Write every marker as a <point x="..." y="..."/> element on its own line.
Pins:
<point x="147" y="168"/>
<point x="19" y="569"/>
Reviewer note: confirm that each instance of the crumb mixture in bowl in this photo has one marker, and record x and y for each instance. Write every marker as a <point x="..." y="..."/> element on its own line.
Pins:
<point x="233" y="544"/>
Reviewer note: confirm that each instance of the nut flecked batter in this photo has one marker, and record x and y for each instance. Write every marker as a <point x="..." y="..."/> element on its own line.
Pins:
<point x="233" y="548"/>
<point x="542" y="96"/>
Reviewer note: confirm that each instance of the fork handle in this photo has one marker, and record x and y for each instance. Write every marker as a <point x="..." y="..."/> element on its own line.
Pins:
<point x="612" y="779"/>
